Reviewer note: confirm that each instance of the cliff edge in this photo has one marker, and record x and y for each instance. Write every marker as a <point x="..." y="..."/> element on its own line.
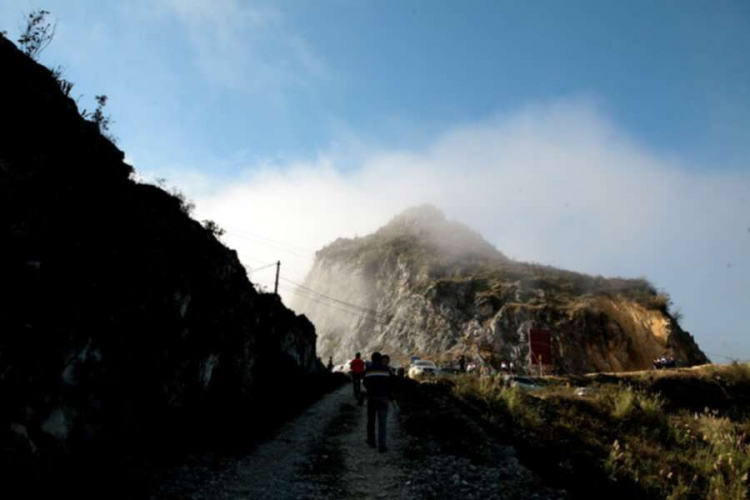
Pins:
<point x="124" y="323"/>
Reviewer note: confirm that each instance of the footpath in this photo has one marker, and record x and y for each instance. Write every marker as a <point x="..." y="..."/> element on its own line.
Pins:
<point x="322" y="454"/>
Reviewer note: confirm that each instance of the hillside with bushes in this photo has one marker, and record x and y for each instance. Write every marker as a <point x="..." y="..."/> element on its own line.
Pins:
<point x="126" y="327"/>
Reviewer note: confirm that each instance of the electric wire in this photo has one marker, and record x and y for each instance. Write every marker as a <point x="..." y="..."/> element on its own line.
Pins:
<point x="262" y="267"/>
<point x="270" y="240"/>
<point x="276" y="246"/>
<point x="729" y="358"/>
<point x="323" y="300"/>
<point x="365" y="309"/>
<point x="328" y="304"/>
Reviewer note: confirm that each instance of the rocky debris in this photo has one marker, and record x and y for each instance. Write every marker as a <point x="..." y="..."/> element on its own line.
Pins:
<point x="447" y="476"/>
<point x="429" y="286"/>
<point x="125" y="325"/>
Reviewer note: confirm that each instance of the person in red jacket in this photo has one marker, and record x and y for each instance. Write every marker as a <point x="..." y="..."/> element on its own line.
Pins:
<point x="358" y="373"/>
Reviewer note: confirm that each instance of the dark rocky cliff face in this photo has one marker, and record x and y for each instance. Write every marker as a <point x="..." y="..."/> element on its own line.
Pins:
<point x="122" y="320"/>
<point x="428" y="286"/>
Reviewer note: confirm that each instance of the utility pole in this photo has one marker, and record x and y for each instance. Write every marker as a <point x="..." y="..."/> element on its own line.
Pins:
<point x="276" y="287"/>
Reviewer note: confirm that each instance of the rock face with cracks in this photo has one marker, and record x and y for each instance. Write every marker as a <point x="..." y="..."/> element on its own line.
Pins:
<point x="424" y="285"/>
<point x="123" y="322"/>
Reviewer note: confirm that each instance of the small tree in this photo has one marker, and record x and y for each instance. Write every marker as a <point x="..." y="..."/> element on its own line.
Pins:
<point x="65" y="85"/>
<point x="102" y="121"/>
<point x="186" y="205"/>
<point x="98" y="117"/>
<point x="37" y="35"/>
<point x="215" y="229"/>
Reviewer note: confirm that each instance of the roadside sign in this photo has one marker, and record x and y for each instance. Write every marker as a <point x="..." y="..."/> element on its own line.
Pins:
<point x="540" y="346"/>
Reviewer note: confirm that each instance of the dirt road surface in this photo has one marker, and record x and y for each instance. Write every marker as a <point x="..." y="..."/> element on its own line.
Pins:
<point x="322" y="454"/>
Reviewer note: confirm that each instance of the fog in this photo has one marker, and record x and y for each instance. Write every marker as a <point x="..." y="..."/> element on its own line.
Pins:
<point x="556" y="183"/>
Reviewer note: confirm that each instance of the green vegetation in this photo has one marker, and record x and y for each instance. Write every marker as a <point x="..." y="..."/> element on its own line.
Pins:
<point x="37" y="35"/>
<point x="675" y="434"/>
<point x="213" y="228"/>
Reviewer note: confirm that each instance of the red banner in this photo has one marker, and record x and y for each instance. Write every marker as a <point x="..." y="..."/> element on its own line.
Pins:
<point x="540" y="346"/>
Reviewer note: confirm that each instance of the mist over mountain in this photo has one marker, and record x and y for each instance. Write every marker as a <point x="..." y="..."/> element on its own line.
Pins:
<point x="425" y="285"/>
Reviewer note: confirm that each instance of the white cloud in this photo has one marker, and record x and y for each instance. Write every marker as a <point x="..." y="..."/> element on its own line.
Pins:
<point x="247" y="46"/>
<point x="557" y="184"/>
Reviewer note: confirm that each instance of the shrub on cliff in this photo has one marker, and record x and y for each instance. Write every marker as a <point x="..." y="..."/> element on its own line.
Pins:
<point x="38" y="34"/>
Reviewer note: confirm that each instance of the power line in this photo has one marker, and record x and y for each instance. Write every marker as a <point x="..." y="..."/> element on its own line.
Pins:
<point x="261" y="268"/>
<point x="369" y="314"/>
<point x="269" y="244"/>
<point x="723" y="356"/>
<point x="328" y="304"/>
<point x="308" y="293"/>
<point x="365" y="309"/>
<point x="245" y="256"/>
<point x="270" y="240"/>
<point x="323" y="300"/>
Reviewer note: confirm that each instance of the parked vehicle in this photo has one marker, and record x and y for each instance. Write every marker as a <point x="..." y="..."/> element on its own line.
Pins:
<point x="345" y="368"/>
<point x="524" y="383"/>
<point x="423" y="367"/>
<point x="451" y="370"/>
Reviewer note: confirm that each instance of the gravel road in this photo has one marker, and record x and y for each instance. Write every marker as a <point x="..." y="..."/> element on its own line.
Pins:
<point x="322" y="454"/>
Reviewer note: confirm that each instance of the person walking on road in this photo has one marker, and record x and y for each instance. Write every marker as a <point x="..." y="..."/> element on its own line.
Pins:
<point x="358" y="373"/>
<point x="379" y="385"/>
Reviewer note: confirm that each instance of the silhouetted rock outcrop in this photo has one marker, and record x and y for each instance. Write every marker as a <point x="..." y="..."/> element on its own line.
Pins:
<point x="123" y="322"/>
<point x="429" y="286"/>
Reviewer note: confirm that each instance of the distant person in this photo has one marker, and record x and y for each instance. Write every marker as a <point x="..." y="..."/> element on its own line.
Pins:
<point x="387" y="362"/>
<point x="462" y="364"/>
<point x="357" y="366"/>
<point x="379" y="385"/>
<point x="330" y="364"/>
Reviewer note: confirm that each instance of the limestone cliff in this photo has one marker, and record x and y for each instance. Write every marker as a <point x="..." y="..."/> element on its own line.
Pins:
<point x="428" y="286"/>
<point x="123" y="322"/>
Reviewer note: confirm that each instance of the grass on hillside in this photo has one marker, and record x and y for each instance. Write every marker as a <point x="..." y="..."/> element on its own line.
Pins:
<point x="623" y="437"/>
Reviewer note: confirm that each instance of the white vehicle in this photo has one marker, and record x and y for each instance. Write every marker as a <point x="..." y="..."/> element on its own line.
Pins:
<point x="422" y="367"/>
<point x="345" y="368"/>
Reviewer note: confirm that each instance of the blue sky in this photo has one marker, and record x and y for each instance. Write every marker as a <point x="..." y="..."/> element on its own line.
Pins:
<point x="606" y="137"/>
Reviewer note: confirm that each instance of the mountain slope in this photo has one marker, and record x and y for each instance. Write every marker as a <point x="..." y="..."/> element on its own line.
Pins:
<point x="428" y="286"/>
<point x="124" y="323"/>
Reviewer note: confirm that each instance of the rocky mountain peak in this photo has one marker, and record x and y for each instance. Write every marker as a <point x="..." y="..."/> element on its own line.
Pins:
<point x="427" y="225"/>
<point x="426" y="214"/>
<point x="429" y="286"/>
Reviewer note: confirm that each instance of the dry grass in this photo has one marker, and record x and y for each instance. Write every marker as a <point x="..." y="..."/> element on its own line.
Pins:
<point x="625" y="438"/>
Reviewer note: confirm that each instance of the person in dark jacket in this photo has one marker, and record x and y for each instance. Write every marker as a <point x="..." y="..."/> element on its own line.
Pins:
<point x="379" y="385"/>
